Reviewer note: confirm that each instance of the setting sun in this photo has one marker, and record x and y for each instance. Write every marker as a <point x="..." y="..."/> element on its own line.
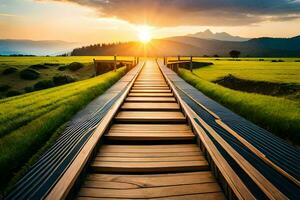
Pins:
<point x="144" y="34"/>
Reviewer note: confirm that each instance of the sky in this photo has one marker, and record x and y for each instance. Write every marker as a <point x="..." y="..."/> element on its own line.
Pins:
<point x="94" y="21"/>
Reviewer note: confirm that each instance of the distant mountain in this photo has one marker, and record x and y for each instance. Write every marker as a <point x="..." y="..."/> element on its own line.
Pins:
<point x="30" y="47"/>
<point x="258" y="47"/>
<point x="218" y="36"/>
<point x="187" y="46"/>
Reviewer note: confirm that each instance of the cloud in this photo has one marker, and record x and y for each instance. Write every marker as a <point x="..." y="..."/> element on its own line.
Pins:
<point x="7" y="15"/>
<point x="195" y="12"/>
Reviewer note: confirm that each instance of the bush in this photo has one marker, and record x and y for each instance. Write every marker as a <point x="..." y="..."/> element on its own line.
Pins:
<point x="277" y="60"/>
<point x="74" y="66"/>
<point x="28" y="89"/>
<point x="38" y="66"/>
<point x="52" y="64"/>
<point x="12" y="93"/>
<point x="62" y="68"/>
<point x="61" y="80"/>
<point x="9" y="70"/>
<point x="29" y="74"/>
<point x="44" y="84"/>
<point x="4" y="88"/>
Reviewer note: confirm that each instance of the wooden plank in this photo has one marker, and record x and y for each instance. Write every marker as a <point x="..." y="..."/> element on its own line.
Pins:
<point x="161" y="117"/>
<point x="149" y="167"/>
<point x="150" y="106"/>
<point x="156" y="192"/>
<point x="151" y="127"/>
<point x="150" y="88"/>
<point x="152" y="146"/>
<point x="150" y="99"/>
<point x="148" y="137"/>
<point x="142" y="149"/>
<point x="204" y="196"/>
<point x="150" y="154"/>
<point x="153" y="84"/>
<point x="155" y="180"/>
<point x="149" y="159"/>
<point x="150" y="94"/>
<point x="150" y="91"/>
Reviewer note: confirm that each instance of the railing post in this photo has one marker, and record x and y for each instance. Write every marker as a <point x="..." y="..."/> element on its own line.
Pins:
<point x="115" y="63"/>
<point x="178" y="57"/>
<point x="191" y="64"/>
<point x="165" y="60"/>
<point x="95" y="66"/>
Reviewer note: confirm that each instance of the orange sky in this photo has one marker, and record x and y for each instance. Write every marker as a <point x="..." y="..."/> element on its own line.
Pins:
<point x="53" y="20"/>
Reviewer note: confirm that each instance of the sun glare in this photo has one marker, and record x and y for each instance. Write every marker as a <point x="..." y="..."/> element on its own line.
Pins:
<point x="144" y="34"/>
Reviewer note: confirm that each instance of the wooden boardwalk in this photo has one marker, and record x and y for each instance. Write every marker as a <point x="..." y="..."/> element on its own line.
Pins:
<point x="149" y="150"/>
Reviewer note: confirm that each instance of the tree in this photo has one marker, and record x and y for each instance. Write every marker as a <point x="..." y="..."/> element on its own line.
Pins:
<point x="234" y="53"/>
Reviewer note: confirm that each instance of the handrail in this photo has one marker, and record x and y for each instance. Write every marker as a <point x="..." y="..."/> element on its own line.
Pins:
<point x="68" y="179"/>
<point x="239" y="189"/>
<point x="233" y="180"/>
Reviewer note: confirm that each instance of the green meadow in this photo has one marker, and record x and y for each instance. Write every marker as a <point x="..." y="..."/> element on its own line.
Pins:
<point x="28" y="121"/>
<point x="252" y="69"/>
<point x="51" y="67"/>
<point x="278" y="114"/>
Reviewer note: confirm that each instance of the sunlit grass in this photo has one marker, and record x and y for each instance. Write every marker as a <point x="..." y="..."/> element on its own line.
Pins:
<point x="277" y="72"/>
<point x="28" y="121"/>
<point x="280" y="116"/>
<point x="250" y="69"/>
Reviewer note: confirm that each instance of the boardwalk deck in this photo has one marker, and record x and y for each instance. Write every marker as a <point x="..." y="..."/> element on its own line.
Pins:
<point x="168" y="170"/>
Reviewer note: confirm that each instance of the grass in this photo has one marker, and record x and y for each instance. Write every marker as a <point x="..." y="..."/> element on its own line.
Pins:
<point x="28" y="121"/>
<point x="278" y="115"/>
<point x="17" y="84"/>
<point x="276" y="72"/>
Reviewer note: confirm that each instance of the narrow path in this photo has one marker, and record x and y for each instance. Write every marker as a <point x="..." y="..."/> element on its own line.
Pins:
<point x="149" y="150"/>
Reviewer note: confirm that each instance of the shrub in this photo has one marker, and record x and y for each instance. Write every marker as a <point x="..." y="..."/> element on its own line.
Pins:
<point x="74" y="66"/>
<point x="52" y="64"/>
<point x="44" y="84"/>
<point x="4" y="88"/>
<point x="38" y="66"/>
<point x="29" y="74"/>
<point x="61" y="80"/>
<point x="62" y="68"/>
<point x="12" y="93"/>
<point x="234" y="53"/>
<point x="9" y="70"/>
<point x="28" y="89"/>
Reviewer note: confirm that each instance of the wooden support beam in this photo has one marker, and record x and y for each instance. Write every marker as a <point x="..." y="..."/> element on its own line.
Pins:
<point x="191" y="64"/>
<point x="115" y="63"/>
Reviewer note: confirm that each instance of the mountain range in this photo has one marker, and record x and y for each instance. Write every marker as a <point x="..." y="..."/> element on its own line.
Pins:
<point x="218" y="36"/>
<point x="199" y="44"/>
<point x="191" y="46"/>
<point x="31" y="47"/>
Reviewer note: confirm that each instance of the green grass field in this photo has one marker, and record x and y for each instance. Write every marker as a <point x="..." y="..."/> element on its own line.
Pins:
<point x="278" y="72"/>
<point x="17" y="84"/>
<point x="28" y="121"/>
<point x="279" y="115"/>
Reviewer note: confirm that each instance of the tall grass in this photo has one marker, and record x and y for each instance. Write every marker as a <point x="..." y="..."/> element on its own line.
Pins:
<point x="278" y="115"/>
<point x="28" y="121"/>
